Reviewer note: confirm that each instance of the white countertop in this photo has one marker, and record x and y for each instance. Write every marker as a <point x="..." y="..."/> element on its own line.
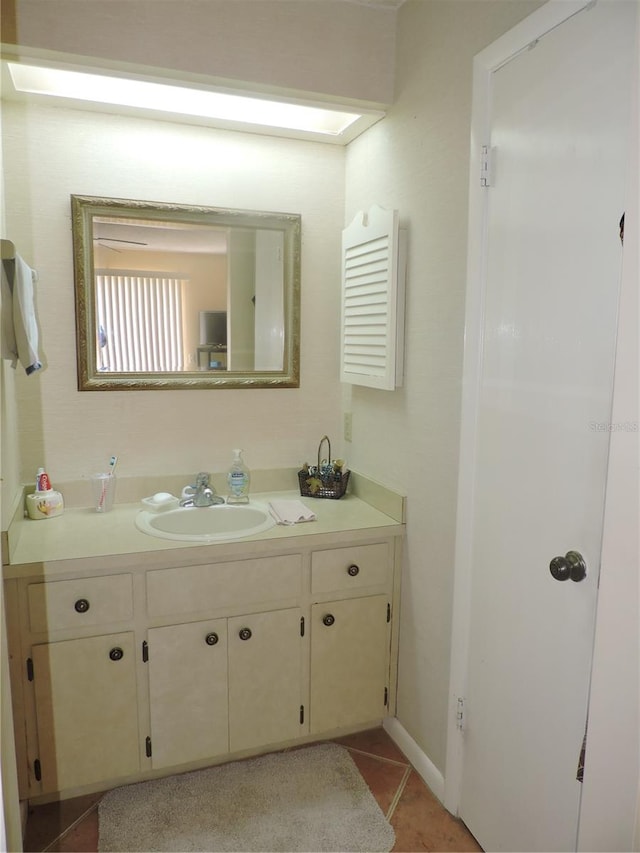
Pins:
<point x="81" y="532"/>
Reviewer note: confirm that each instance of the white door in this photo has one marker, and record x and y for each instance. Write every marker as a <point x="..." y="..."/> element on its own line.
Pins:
<point x="559" y="124"/>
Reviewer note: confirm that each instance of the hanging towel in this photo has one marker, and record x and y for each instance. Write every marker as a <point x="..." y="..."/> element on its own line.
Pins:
<point x="19" y="326"/>
<point x="291" y="512"/>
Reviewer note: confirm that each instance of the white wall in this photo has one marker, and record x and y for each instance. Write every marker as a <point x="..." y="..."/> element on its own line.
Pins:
<point x="51" y="153"/>
<point x="329" y="47"/>
<point x="10" y="827"/>
<point x="417" y="160"/>
<point x="612" y="766"/>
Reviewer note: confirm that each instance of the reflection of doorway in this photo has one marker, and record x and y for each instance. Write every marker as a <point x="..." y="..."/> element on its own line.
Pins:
<point x="256" y="300"/>
<point x="269" y="306"/>
<point x="541" y="328"/>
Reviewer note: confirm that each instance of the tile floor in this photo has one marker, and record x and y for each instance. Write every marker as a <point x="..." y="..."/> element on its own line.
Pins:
<point x="419" y="820"/>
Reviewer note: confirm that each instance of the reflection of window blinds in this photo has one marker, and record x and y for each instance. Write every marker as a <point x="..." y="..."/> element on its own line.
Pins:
<point x="139" y="318"/>
<point x="373" y="300"/>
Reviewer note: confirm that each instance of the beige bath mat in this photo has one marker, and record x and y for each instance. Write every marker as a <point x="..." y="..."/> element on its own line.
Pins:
<point x="310" y="799"/>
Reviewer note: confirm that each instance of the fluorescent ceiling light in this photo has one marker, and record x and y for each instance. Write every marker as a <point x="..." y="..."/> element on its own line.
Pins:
<point x="142" y="94"/>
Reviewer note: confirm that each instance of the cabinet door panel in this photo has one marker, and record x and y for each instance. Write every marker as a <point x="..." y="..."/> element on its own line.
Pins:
<point x="188" y="692"/>
<point x="264" y="679"/>
<point x="86" y="708"/>
<point x="349" y="662"/>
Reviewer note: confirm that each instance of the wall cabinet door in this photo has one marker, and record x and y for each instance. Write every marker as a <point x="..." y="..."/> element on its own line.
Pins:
<point x="188" y="692"/>
<point x="349" y="662"/>
<point x="265" y="659"/>
<point x="86" y="710"/>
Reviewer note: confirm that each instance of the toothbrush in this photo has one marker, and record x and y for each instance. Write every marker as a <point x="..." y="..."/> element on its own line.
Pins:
<point x="112" y="467"/>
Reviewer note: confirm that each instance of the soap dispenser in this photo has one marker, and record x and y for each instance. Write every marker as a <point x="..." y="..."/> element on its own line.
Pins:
<point x="238" y="480"/>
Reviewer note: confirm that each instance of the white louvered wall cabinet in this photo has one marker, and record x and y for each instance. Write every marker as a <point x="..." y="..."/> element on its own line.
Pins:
<point x="373" y="282"/>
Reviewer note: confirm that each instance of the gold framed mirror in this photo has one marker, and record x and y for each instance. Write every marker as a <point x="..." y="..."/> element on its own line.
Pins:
<point x="171" y="296"/>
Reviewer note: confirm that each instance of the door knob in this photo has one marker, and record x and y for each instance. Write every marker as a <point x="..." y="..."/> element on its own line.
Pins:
<point x="572" y="565"/>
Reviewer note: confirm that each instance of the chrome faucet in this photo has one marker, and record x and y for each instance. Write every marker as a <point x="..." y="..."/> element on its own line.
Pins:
<point x="200" y="494"/>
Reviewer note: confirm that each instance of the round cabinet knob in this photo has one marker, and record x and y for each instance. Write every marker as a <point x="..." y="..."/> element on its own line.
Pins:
<point x="328" y="620"/>
<point x="244" y="633"/>
<point x="571" y="566"/>
<point x="353" y="570"/>
<point x="211" y="639"/>
<point x="116" y="653"/>
<point x="82" y="605"/>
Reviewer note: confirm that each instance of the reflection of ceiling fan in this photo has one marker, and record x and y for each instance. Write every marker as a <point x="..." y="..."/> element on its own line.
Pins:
<point x="103" y="240"/>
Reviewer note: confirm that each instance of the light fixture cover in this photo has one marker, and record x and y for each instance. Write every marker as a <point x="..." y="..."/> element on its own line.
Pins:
<point x="183" y="100"/>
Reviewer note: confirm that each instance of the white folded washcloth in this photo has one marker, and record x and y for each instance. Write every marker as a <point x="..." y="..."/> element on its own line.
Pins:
<point x="290" y="512"/>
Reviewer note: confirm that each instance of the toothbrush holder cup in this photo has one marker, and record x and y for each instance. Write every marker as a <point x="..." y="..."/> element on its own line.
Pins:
<point x="103" y="491"/>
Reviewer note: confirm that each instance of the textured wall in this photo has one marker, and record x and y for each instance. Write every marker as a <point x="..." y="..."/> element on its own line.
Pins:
<point x="417" y="160"/>
<point x="51" y="153"/>
<point x="325" y="46"/>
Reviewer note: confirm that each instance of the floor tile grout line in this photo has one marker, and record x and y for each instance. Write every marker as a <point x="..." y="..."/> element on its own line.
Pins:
<point x="71" y="826"/>
<point x="379" y="757"/>
<point x="398" y="794"/>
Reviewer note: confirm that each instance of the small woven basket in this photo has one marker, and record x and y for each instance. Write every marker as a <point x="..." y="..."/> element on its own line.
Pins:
<point x="324" y="481"/>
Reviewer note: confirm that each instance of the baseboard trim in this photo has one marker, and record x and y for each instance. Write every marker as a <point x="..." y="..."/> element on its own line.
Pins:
<point x="423" y="765"/>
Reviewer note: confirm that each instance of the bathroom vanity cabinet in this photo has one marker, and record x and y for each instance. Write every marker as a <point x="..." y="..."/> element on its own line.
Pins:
<point x="134" y="666"/>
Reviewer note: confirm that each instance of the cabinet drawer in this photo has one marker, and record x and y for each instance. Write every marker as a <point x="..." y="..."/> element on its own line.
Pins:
<point x="345" y="569"/>
<point x="192" y="589"/>
<point x="80" y="603"/>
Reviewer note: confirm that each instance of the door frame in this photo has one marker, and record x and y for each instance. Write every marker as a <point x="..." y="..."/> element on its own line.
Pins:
<point x="517" y="40"/>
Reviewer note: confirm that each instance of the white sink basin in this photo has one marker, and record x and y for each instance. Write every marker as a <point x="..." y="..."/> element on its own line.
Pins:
<point x="206" y="524"/>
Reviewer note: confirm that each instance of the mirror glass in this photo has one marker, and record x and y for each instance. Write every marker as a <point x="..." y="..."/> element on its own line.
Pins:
<point x="173" y="296"/>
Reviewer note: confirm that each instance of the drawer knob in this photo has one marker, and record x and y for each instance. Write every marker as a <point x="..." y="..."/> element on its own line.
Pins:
<point x="82" y="605"/>
<point x="244" y="633"/>
<point x="328" y="620"/>
<point x="353" y="570"/>
<point x="211" y="639"/>
<point x="116" y="653"/>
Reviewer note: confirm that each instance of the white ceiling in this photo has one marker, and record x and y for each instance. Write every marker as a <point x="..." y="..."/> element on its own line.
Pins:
<point x="150" y="236"/>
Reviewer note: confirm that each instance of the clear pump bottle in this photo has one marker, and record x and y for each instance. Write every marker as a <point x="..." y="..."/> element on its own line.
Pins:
<point x="238" y="480"/>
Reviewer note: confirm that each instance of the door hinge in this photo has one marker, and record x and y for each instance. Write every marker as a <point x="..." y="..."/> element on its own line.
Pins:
<point x="301" y="714"/>
<point x="37" y="770"/>
<point x="148" y="747"/>
<point x="388" y="612"/>
<point x="30" y="669"/>
<point x="145" y="651"/>
<point x="386" y="696"/>
<point x="460" y="714"/>
<point x="487" y="157"/>
<point x="302" y="626"/>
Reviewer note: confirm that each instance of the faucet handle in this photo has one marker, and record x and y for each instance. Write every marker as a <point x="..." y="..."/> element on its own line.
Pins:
<point x="202" y="480"/>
